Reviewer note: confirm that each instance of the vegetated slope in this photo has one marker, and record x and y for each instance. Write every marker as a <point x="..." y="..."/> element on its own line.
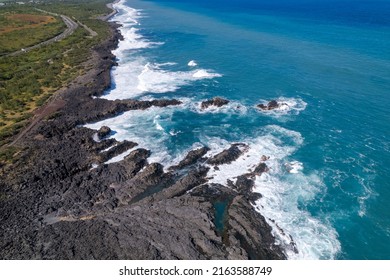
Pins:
<point x="29" y="79"/>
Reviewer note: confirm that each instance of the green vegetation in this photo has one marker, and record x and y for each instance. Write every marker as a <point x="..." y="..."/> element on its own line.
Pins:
<point x="20" y="30"/>
<point x="29" y="79"/>
<point x="7" y="154"/>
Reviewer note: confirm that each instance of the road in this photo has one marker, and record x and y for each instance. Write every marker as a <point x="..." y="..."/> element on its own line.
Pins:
<point x="91" y="32"/>
<point x="70" y="28"/>
<point x="110" y="15"/>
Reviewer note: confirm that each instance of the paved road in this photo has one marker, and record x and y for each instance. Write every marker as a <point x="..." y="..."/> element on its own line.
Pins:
<point x="71" y="27"/>
<point x="114" y="11"/>
<point x="91" y="32"/>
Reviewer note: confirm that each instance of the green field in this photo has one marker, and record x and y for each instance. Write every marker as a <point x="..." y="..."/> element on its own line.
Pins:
<point x="29" y="79"/>
<point x="24" y="27"/>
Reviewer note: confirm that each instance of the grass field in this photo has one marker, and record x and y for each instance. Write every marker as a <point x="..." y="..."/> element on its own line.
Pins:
<point x="29" y="79"/>
<point x="21" y="30"/>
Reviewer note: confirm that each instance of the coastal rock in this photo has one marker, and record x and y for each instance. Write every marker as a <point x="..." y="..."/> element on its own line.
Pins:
<point x="193" y="179"/>
<point x="140" y="231"/>
<point x="165" y="102"/>
<point x="191" y="158"/>
<point x="135" y="162"/>
<point x="104" y="131"/>
<point x="244" y="186"/>
<point x="126" y="105"/>
<point x="260" y="169"/>
<point x="244" y="183"/>
<point x="273" y="104"/>
<point x="145" y="183"/>
<point x="264" y="158"/>
<point x="102" y="109"/>
<point x="250" y="230"/>
<point x="137" y="155"/>
<point x="115" y="174"/>
<point x="117" y="150"/>
<point x="151" y="175"/>
<point x="228" y="155"/>
<point x="105" y="144"/>
<point x="245" y="233"/>
<point x="216" y="101"/>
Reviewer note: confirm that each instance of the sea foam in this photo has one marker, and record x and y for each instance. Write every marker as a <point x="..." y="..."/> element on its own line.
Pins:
<point x="146" y="128"/>
<point x="192" y="63"/>
<point x="288" y="106"/>
<point x="136" y="75"/>
<point x="283" y="193"/>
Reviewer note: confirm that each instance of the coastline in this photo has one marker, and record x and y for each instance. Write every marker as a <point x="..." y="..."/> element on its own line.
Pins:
<point x="130" y="209"/>
<point x="114" y="11"/>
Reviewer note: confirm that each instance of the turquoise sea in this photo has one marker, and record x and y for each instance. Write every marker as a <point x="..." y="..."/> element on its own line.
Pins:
<point x="328" y="62"/>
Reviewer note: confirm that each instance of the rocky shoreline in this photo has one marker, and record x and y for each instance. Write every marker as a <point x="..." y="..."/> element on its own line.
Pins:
<point x="55" y="205"/>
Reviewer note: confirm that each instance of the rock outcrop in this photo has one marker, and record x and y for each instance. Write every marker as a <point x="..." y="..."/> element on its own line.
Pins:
<point x="216" y="101"/>
<point x="103" y="132"/>
<point x="191" y="158"/>
<point x="228" y="155"/>
<point x="272" y="105"/>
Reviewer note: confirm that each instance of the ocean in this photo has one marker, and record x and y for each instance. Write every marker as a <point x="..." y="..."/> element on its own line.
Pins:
<point x="327" y="62"/>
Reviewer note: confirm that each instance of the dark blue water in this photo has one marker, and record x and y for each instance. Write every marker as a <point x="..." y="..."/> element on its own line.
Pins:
<point x="349" y="12"/>
<point x="328" y="61"/>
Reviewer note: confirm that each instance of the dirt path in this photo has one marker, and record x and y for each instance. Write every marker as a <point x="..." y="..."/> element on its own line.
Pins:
<point x="51" y="107"/>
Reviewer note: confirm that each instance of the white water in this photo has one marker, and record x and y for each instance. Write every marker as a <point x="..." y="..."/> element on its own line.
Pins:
<point x="136" y="75"/>
<point x="285" y="192"/>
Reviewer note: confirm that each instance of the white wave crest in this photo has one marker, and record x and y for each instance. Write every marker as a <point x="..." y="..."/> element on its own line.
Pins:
<point x="156" y="80"/>
<point x="132" y="41"/>
<point x="268" y="145"/>
<point x="133" y="79"/>
<point x="294" y="166"/>
<point x="205" y="74"/>
<point x="300" y="234"/>
<point x="192" y="63"/>
<point x="127" y="15"/>
<point x="144" y="127"/>
<point x="157" y="124"/>
<point x="136" y="75"/>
